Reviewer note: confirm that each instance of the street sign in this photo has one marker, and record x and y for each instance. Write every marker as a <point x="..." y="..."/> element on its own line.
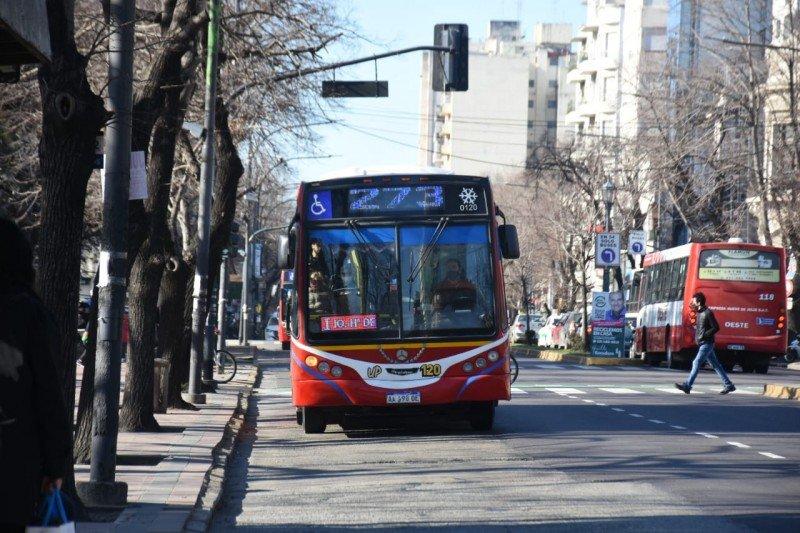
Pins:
<point x="354" y="89"/>
<point x="637" y="242"/>
<point x="607" y="250"/>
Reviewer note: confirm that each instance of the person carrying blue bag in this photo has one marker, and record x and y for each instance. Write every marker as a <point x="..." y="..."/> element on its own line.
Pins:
<point x="34" y="428"/>
<point x="52" y="516"/>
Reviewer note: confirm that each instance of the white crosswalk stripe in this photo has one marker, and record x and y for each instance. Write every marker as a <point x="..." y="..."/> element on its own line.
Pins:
<point x="515" y="390"/>
<point x="620" y="390"/>
<point x="565" y="390"/>
<point x="673" y="390"/>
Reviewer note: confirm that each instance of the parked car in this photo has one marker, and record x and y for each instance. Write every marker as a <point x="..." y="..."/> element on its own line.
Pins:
<point x="547" y="333"/>
<point x="521" y="322"/>
<point x="271" y="331"/>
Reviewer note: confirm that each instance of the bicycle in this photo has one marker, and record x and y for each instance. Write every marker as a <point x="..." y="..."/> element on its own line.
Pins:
<point x="224" y="366"/>
<point x="514" y="368"/>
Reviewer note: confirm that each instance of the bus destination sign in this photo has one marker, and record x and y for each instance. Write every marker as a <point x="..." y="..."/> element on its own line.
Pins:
<point x="422" y="199"/>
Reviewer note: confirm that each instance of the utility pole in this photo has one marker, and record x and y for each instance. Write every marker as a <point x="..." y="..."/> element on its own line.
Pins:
<point x="243" y="311"/>
<point x="102" y="489"/>
<point x="200" y="294"/>
<point x="223" y="287"/>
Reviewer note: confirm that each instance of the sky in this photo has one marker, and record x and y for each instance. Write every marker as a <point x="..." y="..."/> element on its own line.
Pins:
<point x="388" y="125"/>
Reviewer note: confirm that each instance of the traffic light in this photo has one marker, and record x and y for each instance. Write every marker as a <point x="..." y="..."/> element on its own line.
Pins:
<point x="450" y="70"/>
<point x="235" y="240"/>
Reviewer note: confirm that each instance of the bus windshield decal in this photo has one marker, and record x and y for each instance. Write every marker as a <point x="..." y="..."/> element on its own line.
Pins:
<point x="349" y="322"/>
<point x="739" y="265"/>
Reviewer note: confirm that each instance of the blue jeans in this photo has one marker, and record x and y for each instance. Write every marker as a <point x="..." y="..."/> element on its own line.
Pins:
<point x="705" y="352"/>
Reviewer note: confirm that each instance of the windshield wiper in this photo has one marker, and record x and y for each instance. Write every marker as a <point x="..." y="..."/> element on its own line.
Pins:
<point x="385" y="272"/>
<point x="426" y="252"/>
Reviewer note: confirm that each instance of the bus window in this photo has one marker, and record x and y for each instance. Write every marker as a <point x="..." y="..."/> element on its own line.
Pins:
<point x="452" y="286"/>
<point x="651" y="285"/>
<point x="352" y="282"/>
<point x="671" y="284"/>
<point x="680" y="278"/>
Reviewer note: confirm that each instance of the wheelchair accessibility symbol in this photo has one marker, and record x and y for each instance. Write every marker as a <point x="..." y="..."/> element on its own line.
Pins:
<point x="319" y="205"/>
<point x="317" y="208"/>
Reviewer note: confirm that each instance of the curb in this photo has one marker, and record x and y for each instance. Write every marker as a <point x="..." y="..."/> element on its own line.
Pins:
<point x="786" y="392"/>
<point x="793" y="366"/>
<point x="577" y="358"/>
<point x="211" y="489"/>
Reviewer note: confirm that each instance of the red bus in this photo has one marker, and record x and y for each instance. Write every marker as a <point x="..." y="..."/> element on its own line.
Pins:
<point x="744" y="285"/>
<point x="398" y="303"/>
<point x="285" y="289"/>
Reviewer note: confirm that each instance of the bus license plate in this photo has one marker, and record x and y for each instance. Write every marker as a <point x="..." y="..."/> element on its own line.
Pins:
<point x="404" y="397"/>
<point x="739" y="347"/>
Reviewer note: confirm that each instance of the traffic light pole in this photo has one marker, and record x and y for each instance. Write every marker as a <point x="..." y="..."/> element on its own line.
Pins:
<point x="223" y="287"/>
<point x="200" y="293"/>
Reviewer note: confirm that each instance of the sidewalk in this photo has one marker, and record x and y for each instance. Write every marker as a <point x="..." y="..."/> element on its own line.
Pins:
<point x="169" y="472"/>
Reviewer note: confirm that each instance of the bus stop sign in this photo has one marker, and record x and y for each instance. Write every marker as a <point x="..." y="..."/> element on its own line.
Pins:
<point x="607" y="250"/>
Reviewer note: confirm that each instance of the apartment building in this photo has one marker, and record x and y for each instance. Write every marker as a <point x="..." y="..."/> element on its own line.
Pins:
<point x="620" y="43"/>
<point x="511" y="106"/>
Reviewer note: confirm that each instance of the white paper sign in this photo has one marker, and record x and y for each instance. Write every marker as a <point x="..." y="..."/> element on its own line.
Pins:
<point x="138" y="183"/>
<point x="606" y="251"/>
<point x="637" y="242"/>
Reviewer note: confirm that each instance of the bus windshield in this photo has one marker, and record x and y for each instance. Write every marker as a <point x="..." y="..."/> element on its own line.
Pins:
<point x="453" y="291"/>
<point x="357" y="289"/>
<point x="739" y="265"/>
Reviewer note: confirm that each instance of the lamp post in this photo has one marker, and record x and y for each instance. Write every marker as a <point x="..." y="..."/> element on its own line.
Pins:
<point x="608" y="200"/>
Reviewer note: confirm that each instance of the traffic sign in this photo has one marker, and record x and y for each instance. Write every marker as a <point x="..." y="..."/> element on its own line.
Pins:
<point x="607" y="250"/>
<point x="637" y="242"/>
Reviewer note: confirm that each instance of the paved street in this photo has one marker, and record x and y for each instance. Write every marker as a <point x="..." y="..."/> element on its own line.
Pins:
<point x="578" y="448"/>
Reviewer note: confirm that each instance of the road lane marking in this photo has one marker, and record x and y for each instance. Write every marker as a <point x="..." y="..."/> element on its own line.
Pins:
<point x="676" y="427"/>
<point x="706" y="435"/>
<point x="670" y="391"/>
<point x="518" y="391"/>
<point x="635" y="415"/>
<point x="587" y="401"/>
<point x="772" y="455"/>
<point x="617" y="409"/>
<point x="737" y="444"/>
<point x="620" y="390"/>
<point x="275" y="392"/>
<point x="565" y="390"/>
<point x="602" y="404"/>
<point x="656" y="421"/>
<point x="568" y="396"/>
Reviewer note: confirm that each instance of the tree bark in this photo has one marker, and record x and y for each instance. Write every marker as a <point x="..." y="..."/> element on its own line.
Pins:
<point x="83" y="430"/>
<point x="72" y="116"/>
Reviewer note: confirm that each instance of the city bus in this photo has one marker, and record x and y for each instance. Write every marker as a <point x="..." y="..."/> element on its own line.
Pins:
<point x="745" y="286"/>
<point x="284" y="292"/>
<point x="398" y="304"/>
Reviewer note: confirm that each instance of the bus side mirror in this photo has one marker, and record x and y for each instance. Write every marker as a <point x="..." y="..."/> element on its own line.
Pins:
<point x="509" y="243"/>
<point x="285" y="252"/>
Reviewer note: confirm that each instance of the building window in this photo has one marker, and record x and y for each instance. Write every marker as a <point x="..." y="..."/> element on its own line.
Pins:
<point x="608" y="43"/>
<point x="654" y="39"/>
<point x="552" y="83"/>
<point x="553" y="60"/>
<point x="531" y="83"/>
<point x="530" y="104"/>
<point x="551" y="124"/>
<point x="530" y="124"/>
<point x="551" y="104"/>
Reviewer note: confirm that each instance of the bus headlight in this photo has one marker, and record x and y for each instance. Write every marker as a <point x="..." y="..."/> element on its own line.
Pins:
<point x="480" y="362"/>
<point x="311" y="361"/>
<point x="336" y="371"/>
<point x="493" y="356"/>
<point x="323" y="367"/>
<point x="467" y="367"/>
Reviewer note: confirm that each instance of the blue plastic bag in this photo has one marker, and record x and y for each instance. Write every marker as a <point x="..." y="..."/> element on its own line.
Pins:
<point x="53" y="511"/>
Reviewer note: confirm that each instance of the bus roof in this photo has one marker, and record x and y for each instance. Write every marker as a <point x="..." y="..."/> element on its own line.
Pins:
<point x="685" y="249"/>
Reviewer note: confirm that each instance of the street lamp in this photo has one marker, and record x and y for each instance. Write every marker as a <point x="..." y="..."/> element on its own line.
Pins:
<point x="608" y="199"/>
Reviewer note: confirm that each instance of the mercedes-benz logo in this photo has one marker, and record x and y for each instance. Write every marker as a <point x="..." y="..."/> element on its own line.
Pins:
<point x="402" y="355"/>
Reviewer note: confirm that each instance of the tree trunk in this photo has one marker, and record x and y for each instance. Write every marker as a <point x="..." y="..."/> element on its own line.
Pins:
<point x="174" y="285"/>
<point x="72" y="116"/>
<point x="83" y="430"/>
<point x="148" y="267"/>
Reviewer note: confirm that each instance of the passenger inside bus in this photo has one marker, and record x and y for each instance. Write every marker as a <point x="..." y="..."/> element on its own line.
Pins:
<point x="455" y="292"/>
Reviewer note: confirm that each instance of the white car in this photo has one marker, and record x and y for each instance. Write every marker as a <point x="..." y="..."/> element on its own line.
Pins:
<point x="518" y="328"/>
<point x="271" y="331"/>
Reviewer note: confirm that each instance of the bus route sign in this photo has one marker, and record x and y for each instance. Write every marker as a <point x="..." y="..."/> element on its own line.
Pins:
<point x="607" y="250"/>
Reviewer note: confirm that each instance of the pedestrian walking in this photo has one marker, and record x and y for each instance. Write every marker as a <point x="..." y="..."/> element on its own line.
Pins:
<point x="706" y="327"/>
<point x="34" y="432"/>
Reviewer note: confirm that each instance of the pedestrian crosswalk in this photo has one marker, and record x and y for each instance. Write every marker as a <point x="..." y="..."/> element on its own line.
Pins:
<point x="630" y="390"/>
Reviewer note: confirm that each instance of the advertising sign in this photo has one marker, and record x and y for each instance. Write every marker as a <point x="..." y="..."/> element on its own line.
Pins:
<point x="608" y="309"/>
<point x="636" y="242"/>
<point x="606" y="250"/>
<point x="608" y="341"/>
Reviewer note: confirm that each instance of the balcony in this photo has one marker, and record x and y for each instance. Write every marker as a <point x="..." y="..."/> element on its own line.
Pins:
<point x="575" y="76"/>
